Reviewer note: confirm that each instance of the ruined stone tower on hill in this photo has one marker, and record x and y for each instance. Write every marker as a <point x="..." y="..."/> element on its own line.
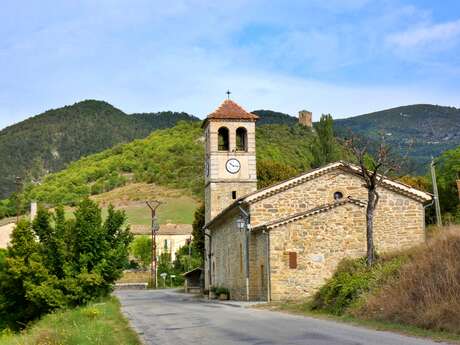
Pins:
<point x="305" y="118"/>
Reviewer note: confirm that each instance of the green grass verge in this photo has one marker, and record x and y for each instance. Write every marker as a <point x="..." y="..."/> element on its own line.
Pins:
<point x="97" y="323"/>
<point x="303" y="308"/>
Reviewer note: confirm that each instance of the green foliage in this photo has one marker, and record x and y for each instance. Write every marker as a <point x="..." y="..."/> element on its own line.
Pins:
<point x="96" y="323"/>
<point x="325" y="148"/>
<point x="171" y="157"/>
<point x="54" y="263"/>
<point x="218" y="290"/>
<point x="289" y="145"/>
<point x="141" y="249"/>
<point x="447" y="172"/>
<point x="269" y="117"/>
<point x="351" y="280"/>
<point x="187" y="258"/>
<point x="47" y="142"/>
<point x="198" y="232"/>
<point x="270" y="172"/>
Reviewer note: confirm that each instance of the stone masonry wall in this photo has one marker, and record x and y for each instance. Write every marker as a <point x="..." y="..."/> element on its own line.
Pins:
<point x="228" y="260"/>
<point x="320" y="242"/>
<point x="228" y="253"/>
<point x="399" y="223"/>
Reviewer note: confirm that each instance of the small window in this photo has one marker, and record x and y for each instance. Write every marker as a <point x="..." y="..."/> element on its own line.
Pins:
<point x="292" y="260"/>
<point x="338" y="195"/>
<point x="241" y="139"/>
<point x="223" y="141"/>
<point x="234" y="194"/>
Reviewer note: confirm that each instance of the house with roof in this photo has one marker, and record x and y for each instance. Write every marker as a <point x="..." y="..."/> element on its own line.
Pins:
<point x="284" y="241"/>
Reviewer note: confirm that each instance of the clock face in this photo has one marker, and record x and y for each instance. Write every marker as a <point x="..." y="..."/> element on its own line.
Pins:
<point x="233" y="165"/>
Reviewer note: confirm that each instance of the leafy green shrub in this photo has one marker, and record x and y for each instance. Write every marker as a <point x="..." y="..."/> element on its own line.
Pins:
<point x="141" y="249"/>
<point x="218" y="290"/>
<point x="56" y="263"/>
<point x="352" y="279"/>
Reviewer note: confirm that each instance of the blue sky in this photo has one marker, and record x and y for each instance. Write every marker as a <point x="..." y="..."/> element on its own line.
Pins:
<point x="344" y="57"/>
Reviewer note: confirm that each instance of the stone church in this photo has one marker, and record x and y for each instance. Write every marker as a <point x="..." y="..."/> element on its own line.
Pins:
<point x="285" y="241"/>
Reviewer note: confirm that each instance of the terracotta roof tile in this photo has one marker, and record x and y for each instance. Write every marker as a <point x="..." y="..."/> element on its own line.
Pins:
<point x="230" y="110"/>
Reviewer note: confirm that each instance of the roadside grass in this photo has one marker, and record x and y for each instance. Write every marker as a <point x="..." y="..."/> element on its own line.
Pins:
<point x="303" y="308"/>
<point x="97" y="323"/>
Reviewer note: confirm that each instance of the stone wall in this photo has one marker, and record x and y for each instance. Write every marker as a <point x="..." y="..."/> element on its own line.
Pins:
<point x="399" y="223"/>
<point x="305" y="118"/>
<point x="228" y="260"/>
<point x="227" y="257"/>
<point x="320" y="241"/>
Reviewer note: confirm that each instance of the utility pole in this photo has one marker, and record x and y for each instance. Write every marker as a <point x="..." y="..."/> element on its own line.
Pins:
<point x="435" y="191"/>
<point x="18" y="201"/>
<point x="153" y="205"/>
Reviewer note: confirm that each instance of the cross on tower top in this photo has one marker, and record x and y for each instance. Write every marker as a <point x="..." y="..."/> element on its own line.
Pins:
<point x="228" y="94"/>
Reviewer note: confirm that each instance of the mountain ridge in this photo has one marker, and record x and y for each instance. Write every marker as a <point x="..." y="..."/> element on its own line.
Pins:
<point x="49" y="141"/>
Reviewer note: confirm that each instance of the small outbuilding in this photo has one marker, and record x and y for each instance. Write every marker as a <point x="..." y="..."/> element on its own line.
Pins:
<point x="193" y="281"/>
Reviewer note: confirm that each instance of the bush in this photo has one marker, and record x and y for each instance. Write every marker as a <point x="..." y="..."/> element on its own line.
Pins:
<point x="352" y="279"/>
<point x="141" y="249"/>
<point x="426" y="292"/>
<point x="56" y="263"/>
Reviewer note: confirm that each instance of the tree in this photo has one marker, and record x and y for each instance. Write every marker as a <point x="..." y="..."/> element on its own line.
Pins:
<point x="141" y="249"/>
<point x="187" y="258"/>
<point x="372" y="169"/>
<point x="198" y="232"/>
<point x="324" y="146"/>
<point x="448" y="171"/>
<point x="56" y="263"/>
<point x="271" y="172"/>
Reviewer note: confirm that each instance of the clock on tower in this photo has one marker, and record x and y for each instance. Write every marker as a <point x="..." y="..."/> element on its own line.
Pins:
<point x="230" y="162"/>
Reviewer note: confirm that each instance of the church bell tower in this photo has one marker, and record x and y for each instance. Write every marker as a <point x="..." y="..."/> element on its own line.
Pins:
<point x="230" y="162"/>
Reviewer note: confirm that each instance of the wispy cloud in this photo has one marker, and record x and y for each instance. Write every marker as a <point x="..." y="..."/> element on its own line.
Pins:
<point x="426" y="35"/>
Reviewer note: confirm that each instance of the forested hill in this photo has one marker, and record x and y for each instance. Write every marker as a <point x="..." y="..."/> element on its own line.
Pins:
<point x="423" y="130"/>
<point x="172" y="157"/>
<point x="49" y="141"/>
<point x="270" y="117"/>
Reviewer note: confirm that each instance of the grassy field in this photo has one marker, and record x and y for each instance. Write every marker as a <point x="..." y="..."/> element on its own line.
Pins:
<point x="178" y="205"/>
<point x="98" y="323"/>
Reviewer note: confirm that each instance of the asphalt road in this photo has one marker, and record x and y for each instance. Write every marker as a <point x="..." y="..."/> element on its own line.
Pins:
<point x="169" y="318"/>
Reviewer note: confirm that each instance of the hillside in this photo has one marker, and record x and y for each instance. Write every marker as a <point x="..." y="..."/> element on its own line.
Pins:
<point x="171" y="157"/>
<point x="425" y="130"/>
<point x="49" y="141"/>
<point x="270" y="117"/>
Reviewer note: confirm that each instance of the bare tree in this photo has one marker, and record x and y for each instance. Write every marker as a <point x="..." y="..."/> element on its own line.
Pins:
<point x="372" y="168"/>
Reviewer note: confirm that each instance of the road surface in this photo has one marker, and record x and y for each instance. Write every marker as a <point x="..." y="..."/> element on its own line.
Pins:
<point x="165" y="317"/>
